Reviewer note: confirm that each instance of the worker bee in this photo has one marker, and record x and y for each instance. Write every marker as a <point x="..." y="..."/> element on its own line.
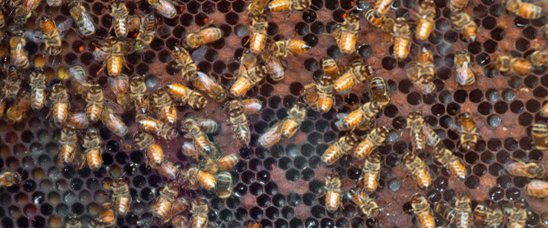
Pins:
<point x="342" y="146"/>
<point x="223" y="189"/>
<point x="379" y="91"/>
<point x="147" y="30"/>
<point x="59" y="104"/>
<point x="93" y="148"/>
<point x="94" y="102"/>
<point x="468" y="131"/>
<point x="288" y="5"/>
<point x="239" y="121"/>
<point x="164" y="106"/>
<point x="162" y="206"/>
<point x="199" y="212"/>
<point x="425" y="65"/>
<point x="462" y="22"/>
<point x="158" y="127"/>
<point x="165" y="8"/>
<point x="386" y="24"/>
<point x="285" y="128"/>
<point x="246" y="81"/>
<point x="422" y="211"/>
<point x="179" y="221"/>
<point x="415" y="124"/>
<point x="68" y="142"/>
<point x="524" y="9"/>
<point x="465" y="75"/>
<point x="402" y="38"/>
<point x="320" y="95"/>
<point x="169" y="170"/>
<point x="24" y="10"/>
<point x="522" y="169"/>
<point x="330" y="67"/>
<point x="205" y="83"/>
<point x="199" y="177"/>
<point x="116" y="58"/>
<point x="417" y="73"/>
<point x="460" y="215"/>
<point x="258" y="37"/>
<point x="38" y="87"/>
<point x="19" y="107"/>
<point x="107" y="218"/>
<point x="179" y="206"/>
<point x="8" y="178"/>
<point x="256" y="8"/>
<point x="251" y="106"/>
<point x="514" y="65"/>
<point x="113" y="122"/>
<point x="374" y="139"/>
<point x="18" y="54"/>
<point x="199" y="138"/>
<point x="251" y="224"/>
<point x="537" y="188"/>
<point x="540" y="136"/>
<point x="54" y="3"/>
<point x="347" y="32"/>
<point x="137" y="91"/>
<point x="78" y="120"/>
<point x="281" y="48"/>
<point x="119" y="14"/>
<point x="202" y="37"/>
<point x="539" y="58"/>
<point x="427" y="12"/>
<point x="274" y="66"/>
<point x="381" y="7"/>
<point x="73" y="222"/>
<point x="457" y="5"/>
<point x="357" y="73"/>
<point x="418" y="169"/>
<point x="208" y="126"/>
<point x="78" y="79"/>
<point x="333" y="195"/>
<point x="154" y="152"/>
<point x="83" y="20"/>
<point x="367" y="205"/>
<point x="371" y="171"/>
<point x="120" y="196"/>
<point x="432" y="138"/>
<point x="453" y="163"/>
<point x="517" y="217"/>
<point x="186" y="95"/>
<point x="222" y="164"/>
<point x="488" y="216"/>
<point x="362" y="115"/>
<point x="51" y="34"/>
<point x="11" y="84"/>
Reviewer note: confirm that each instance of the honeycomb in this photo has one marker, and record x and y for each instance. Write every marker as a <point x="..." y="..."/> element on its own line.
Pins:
<point x="280" y="186"/>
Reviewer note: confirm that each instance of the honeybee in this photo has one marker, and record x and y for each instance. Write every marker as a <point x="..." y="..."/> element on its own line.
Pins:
<point x="165" y="8"/>
<point x="427" y="12"/>
<point x="154" y="152"/>
<point x="357" y="73"/>
<point x="367" y="205"/>
<point x="18" y="54"/>
<point x="524" y="9"/>
<point x="83" y="20"/>
<point x="274" y="66"/>
<point x="342" y="146"/>
<point x="8" y="178"/>
<point x="19" y="107"/>
<point x="78" y="79"/>
<point x="374" y="139"/>
<point x="59" y="104"/>
<point x="158" y="127"/>
<point x="462" y="22"/>
<point x="199" y="177"/>
<point x="522" y="169"/>
<point x="199" y="212"/>
<point x="319" y="95"/>
<point x="371" y="171"/>
<point x="199" y="138"/>
<point x="333" y="194"/>
<point x="384" y="23"/>
<point x="402" y="38"/>
<point x="468" y="131"/>
<point x="94" y="102"/>
<point x="147" y="30"/>
<point x="78" y="120"/>
<point x="186" y="95"/>
<point x="360" y="116"/>
<point x="507" y="63"/>
<point x="24" y="10"/>
<point x="347" y="32"/>
<point x="457" y="5"/>
<point x="540" y="136"/>
<point x="251" y="224"/>
<point x="179" y="221"/>
<point x="190" y="150"/>
<point x="54" y="3"/>
<point x="381" y="7"/>
<point x="162" y="206"/>
<point x="137" y="91"/>
<point x="258" y="37"/>
<point x="422" y="211"/>
<point x="119" y="13"/>
<point x="288" y="5"/>
<point x="222" y="164"/>
<point x="208" y="126"/>
<point x="465" y="75"/>
<point x="51" y="34"/>
<point x="517" y="217"/>
<point x="379" y="91"/>
<point x="224" y="185"/>
<point x="246" y="81"/>
<point x="202" y="37"/>
<point x="11" y="84"/>
<point x="432" y="138"/>
<point x="418" y="169"/>
<point x="453" y="163"/>
<point x="281" y="48"/>
<point x="330" y="67"/>
<point x="256" y="8"/>
<point x="460" y="215"/>
<point x="415" y="124"/>
<point x="488" y="216"/>
<point x="239" y="121"/>
<point x="73" y="222"/>
<point x="539" y="58"/>
<point x="38" y="87"/>
<point x="164" y="106"/>
<point x="285" y="128"/>
<point x="537" y="188"/>
<point x="113" y="122"/>
<point x="68" y="142"/>
<point x="179" y="206"/>
<point x="120" y="196"/>
<point x="93" y="148"/>
<point x="169" y="170"/>
<point x="106" y="217"/>
<point x="116" y="58"/>
<point x="422" y="81"/>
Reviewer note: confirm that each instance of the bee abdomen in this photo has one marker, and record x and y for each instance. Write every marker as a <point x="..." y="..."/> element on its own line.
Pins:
<point x="279" y="5"/>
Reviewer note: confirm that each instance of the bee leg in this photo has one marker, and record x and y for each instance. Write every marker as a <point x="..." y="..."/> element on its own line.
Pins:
<point x="320" y="196"/>
<point x="101" y="69"/>
<point x="229" y="78"/>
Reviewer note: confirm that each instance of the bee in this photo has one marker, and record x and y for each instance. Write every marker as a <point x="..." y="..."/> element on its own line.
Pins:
<point x="116" y="59"/>
<point x="517" y="216"/>
<point x="164" y="106"/>
<point x="462" y="22"/>
<point x="468" y="131"/>
<point x="83" y="20"/>
<point x="120" y="196"/>
<point x="239" y="121"/>
<point x="342" y="146"/>
<point x="190" y="150"/>
<point x="208" y="126"/>
<point x="427" y="12"/>
<point x="202" y="37"/>
<point x="360" y="116"/>
<point x="274" y="66"/>
<point x="8" y="179"/>
<point x="522" y="169"/>
<point x="113" y="122"/>
<point x="540" y="136"/>
<point x="38" y="87"/>
<point x="421" y="209"/>
<point x="251" y="224"/>
<point x="460" y="215"/>
<point x="223" y="164"/>
<point x="199" y="138"/>
<point x="421" y="81"/>
<point x="119" y="86"/>
<point x="78" y="79"/>
<point x="258" y="37"/>
<point x="19" y="56"/>
<point x="281" y="48"/>
<point x="386" y="24"/>
<point x="248" y="60"/>
<point x="432" y="138"/>
<point x="379" y="91"/>
<point x="162" y="206"/>
<point x="488" y="216"/>
<point x="94" y="102"/>
<point x="24" y="10"/>
<point x="165" y="8"/>
<point x="59" y="104"/>
<point x="199" y="177"/>
<point x="507" y="63"/>
<point x="381" y="7"/>
<point x="154" y="152"/>
<point x="524" y="9"/>
<point x="51" y="34"/>
<point x="199" y="212"/>
<point x="256" y="8"/>
<point x="537" y="188"/>
<point x="357" y="73"/>
<point x="333" y="195"/>
<point x="374" y="139"/>
<point x="19" y="107"/>
<point x="539" y="58"/>
<point x="288" y="5"/>
<point x="68" y="142"/>
<point x="246" y="81"/>
<point x="93" y="148"/>
<point x="186" y="95"/>
<point x="285" y="128"/>
<point x="367" y="205"/>
<point x="457" y="5"/>
<point x="73" y="222"/>
<point x="11" y="84"/>
<point x="330" y="67"/>
<point x="119" y="13"/>
<point x="137" y="91"/>
<point x="179" y="221"/>
<point x="415" y="124"/>
<point x="402" y="38"/>
<point x="147" y="30"/>
<point x="371" y="171"/>
<point x="158" y="127"/>
<point x="418" y="169"/>
<point x="224" y="185"/>
<point x="465" y="75"/>
<point x="179" y="206"/>
<point x="453" y="163"/>
<point x="54" y="3"/>
<point x="78" y="120"/>
<point x="320" y="95"/>
<point x="107" y="218"/>
<point x="347" y="32"/>
<point x="425" y="64"/>
<point x="169" y="170"/>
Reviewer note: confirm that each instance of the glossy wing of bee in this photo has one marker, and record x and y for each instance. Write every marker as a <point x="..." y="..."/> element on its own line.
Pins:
<point x="272" y="136"/>
<point x="8" y="178"/>
<point x="365" y="204"/>
<point x="94" y="102"/>
<point x="415" y="124"/>
<point x="202" y="37"/>
<point x="257" y="40"/>
<point x="59" y="104"/>
<point x="402" y="38"/>
<point x="166" y="8"/>
<point x="206" y="84"/>
<point x="342" y="146"/>
<point x="417" y="168"/>
<point x="251" y="106"/>
<point x="199" y="138"/>
<point x="18" y="54"/>
<point x="169" y="170"/>
<point x="446" y="212"/>
<point x="245" y="82"/>
<point x="517" y="218"/>
<point x="522" y="169"/>
<point x="281" y="48"/>
<point x="162" y="206"/>
<point x="113" y="122"/>
<point x="432" y="138"/>
<point x="119" y="13"/>
<point x="468" y="131"/>
<point x="51" y="34"/>
<point x="292" y="122"/>
<point x="422" y="211"/>
<point x="78" y="120"/>
<point x="357" y="73"/>
<point x="186" y="95"/>
<point x="208" y="126"/>
<point x="256" y="8"/>
<point x="120" y="85"/>
<point x="16" y="112"/>
<point x="379" y="91"/>
<point x="426" y="14"/>
<point x="227" y="162"/>
<point x="347" y="33"/>
<point x="93" y="148"/>
<point x="524" y="9"/>
<point x="164" y="107"/>
<point x="83" y="20"/>
<point x="333" y="195"/>
<point x="463" y="23"/>
<point x="465" y="75"/>
<point x="374" y="139"/>
<point x="288" y="5"/>
<point x="361" y="115"/>
<point x="539" y="58"/>
<point x="463" y="210"/>
<point x="137" y="93"/>
<point x="199" y="210"/>
<point x="371" y="171"/>
<point x="537" y="188"/>
<point x="38" y="87"/>
<point x="107" y="217"/>
<point x="223" y="189"/>
<point x="147" y="30"/>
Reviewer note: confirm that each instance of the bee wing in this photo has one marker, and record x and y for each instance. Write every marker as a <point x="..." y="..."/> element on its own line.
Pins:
<point x="252" y="106"/>
<point x="35" y="36"/>
<point x="462" y="73"/>
<point x="64" y="26"/>
<point x="272" y="135"/>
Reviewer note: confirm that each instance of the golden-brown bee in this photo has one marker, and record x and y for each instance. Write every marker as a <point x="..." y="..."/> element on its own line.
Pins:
<point x="386" y="24"/>
<point x="539" y="58"/>
<point x="93" y="148"/>
<point x="319" y="96"/>
<point x="11" y="84"/>
<point x="432" y="138"/>
<point x="246" y="81"/>
<point x="402" y="38"/>
<point x="165" y="8"/>
<point x="460" y="215"/>
<point x="179" y="221"/>
<point x="256" y="8"/>
<point x="426" y="14"/>
<point x="275" y="66"/>
<point x="54" y="3"/>
<point x="197" y="177"/>
<point x="258" y="37"/>
<point x="371" y="171"/>
<point x="19" y="107"/>
<point x="347" y="32"/>
<point x="199" y="212"/>
<point x="333" y="194"/>
<point x="163" y="105"/>
<point x="248" y="60"/>
<point x="158" y="127"/>
<point x="38" y="88"/>
<point x="422" y="81"/>
<point x="51" y="34"/>
<point x="425" y="64"/>
<point x="252" y="224"/>
<point x="358" y="72"/>
<point x="537" y="188"/>
<point x="381" y="7"/>
<point x="285" y="128"/>
<point x="120" y="196"/>
<point x="522" y="169"/>
<point x="524" y="9"/>
<point x="186" y="95"/>
<point x="223" y="188"/>
<point x="330" y="68"/>
<point x="457" y="5"/>
<point x="83" y="20"/>
<point x="107" y="216"/>
<point x="227" y="162"/>
<point x="78" y="120"/>
<point x="147" y="30"/>
<point x="418" y="169"/>
<point x="169" y="170"/>
<point x="422" y="211"/>
<point x="113" y="122"/>
<point x="8" y="178"/>
<point x="453" y="163"/>
<point x="59" y="104"/>
<point x="208" y="126"/>
<point x="362" y="115"/>
<point x="68" y="142"/>
<point x="238" y="119"/>
<point x="18" y="54"/>
<point x="153" y="151"/>
<point x="342" y="146"/>
<point x="517" y="216"/>
<point x="137" y="91"/>
<point x="73" y="222"/>
<point x="199" y="138"/>
<point x="202" y="37"/>
<point x="379" y="91"/>
<point x="366" y="204"/>
<point x="162" y="206"/>
<point x="119" y="14"/>
<point x="94" y="102"/>
<point x="514" y="65"/>
<point x="116" y="58"/>
<point x="288" y="5"/>
<point x="465" y="75"/>
<point x="462" y="22"/>
<point x="179" y="206"/>
<point x="374" y="139"/>
<point x="415" y="124"/>
<point x="78" y="79"/>
<point x="468" y="131"/>
<point x="282" y="48"/>
<point x="24" y="10"/>
<point x="488" y="216"/>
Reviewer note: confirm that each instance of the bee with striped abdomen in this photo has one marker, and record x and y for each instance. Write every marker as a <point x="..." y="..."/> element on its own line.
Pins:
<point x="120" y="196"/>
<point x="51" y="34"/>
<point x="256" y="8"/>
<point x="237" y="116"/>
<point x="8" y="178"/>
<point x="415" y="124"/>
<point x="59" y="104"/>
<point x="162" y="206"/>
<point x="358" y="72"/>
<point x="524" y="9"/>
<point x="186" y="95"/>
<point x="78" y="78"/>
<point x="517" y="216"/>
<point x="360" y="116"/>
<point x="366" y="204"/>
<point x="248" y="80"/>
<point x="209" y="126"/>
<point x="522" y="169"/>
<point x="462" y="22"/>
<point x="223" y="188"/>
<point x="426" y="14"/>
<point x="119" y="14"/>
<point x="116" y="58"/>
<point x="107" y="217"/>
<point x="381" y="7"/>
<point x="371" y="171"/>
<point x="195" y="177"/>
<point x="402" y="38"/>
<point x="199" y="138"/>
<point x="199" y="212"/>
<point x="342" y="146"/>
<point x="347" y="32"/>
<point x="374" y="139"/>
<point x="94" y="102"/>
<point x="513" y="65"/>
<point x="78" y="120"/>
<point x="288" y="5"/>
<point x="137" y="92"/>
<point x="422" y="211"/>
<point x="465" y="75"/>
<point x="83" y="20"/>
<point x="330" y="67"/>
<point x="154" y="152"/>
<point x="453" y="163"/>
<point x="157" y="127"/>
<point x="24" y="10"/>
<point x="113" y="122"/>
<point x="539" y="58"/>
<point x="416" y="72"/>
<point x="18" y="54"/>
<point x="202" y="37"/>
<point x="319" y="96"/>
<point x="416" y="166"/>
<point x="285" y="128"/>
<point x="282" y="48"/>
<point x="38" y="88"/>
<point x="93" y="148"/>
<point x="163" y="105"/>
<point x="166" y="8"/>
<point x="468" y="131"/>
<point x="488" y="216"/>
<point x="147" y="32"/>
<point x="68" y="142"/>
<point x="119" y="85"/>
<point x="16" y="112"/>
<point x="379" y="91"/>
<point x="333" y="194"/>
<point x="274" y="66"/>
<point x="537" y="188"/>
<point x="257" y="40"/>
